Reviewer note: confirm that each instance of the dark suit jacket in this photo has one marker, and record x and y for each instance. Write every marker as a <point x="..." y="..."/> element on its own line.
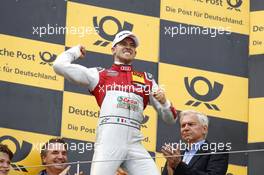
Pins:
<point x="214" y="164"/>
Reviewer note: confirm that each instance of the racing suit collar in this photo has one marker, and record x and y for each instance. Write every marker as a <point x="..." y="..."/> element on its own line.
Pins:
<point x="122" y="67"/>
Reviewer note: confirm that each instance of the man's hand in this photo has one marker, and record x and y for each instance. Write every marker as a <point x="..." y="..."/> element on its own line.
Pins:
<point x="121" y="172"/>
<point x="170" y="170"/>
<point x="65" y="171"/>
<point x="174" y="156"/>
<point x="160" y="96"/>
<point x="81" y="173"/>
<point x="83" y="51"/>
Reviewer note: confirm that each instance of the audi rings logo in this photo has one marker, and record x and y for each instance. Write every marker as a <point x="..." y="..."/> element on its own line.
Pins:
<point x="21" y="152"/>
<point x="105" y="35"/>
<point x="47" y="58"/>
<point x="235" y="4"/>
<point x="212" y="94"/>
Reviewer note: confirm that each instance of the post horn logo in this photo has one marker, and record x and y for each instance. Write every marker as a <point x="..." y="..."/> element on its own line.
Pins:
<point x="235" y="4"/>
<point x="212" y="94"/>
<point x="103" y="34"/>
<point x="21" y="152"/>
<point x="145" y="120"/>
<point x="47" y="58"/>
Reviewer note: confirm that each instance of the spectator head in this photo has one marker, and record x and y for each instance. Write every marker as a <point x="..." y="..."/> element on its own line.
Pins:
<point x="194" y="126"/>
<point x="6" y="156"/>
<point x="54" y="152"/>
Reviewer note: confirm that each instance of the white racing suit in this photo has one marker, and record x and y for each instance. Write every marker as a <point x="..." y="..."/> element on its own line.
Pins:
<point x="122" y="93"/>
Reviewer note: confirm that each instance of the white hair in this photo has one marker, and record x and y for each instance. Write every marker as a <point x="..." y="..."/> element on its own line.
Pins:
<point x="202" y="118"/>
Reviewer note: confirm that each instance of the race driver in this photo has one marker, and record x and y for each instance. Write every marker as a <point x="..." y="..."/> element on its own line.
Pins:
<point x="122" y="94"/>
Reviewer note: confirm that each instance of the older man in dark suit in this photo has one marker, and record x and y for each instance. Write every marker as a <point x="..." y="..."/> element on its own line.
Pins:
<point x="194" y="129"/>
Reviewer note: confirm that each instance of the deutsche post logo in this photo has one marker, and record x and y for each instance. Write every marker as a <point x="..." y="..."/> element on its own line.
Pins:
<point x="213" y="92"/>
<point x="47" y="58"/>
<point x="103" y="34"/>
<point x="21" y="152"/>
<point x="234" y="4"/>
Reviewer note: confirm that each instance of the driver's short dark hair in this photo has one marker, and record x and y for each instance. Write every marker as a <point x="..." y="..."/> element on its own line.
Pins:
<point x="44" y="148"/>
